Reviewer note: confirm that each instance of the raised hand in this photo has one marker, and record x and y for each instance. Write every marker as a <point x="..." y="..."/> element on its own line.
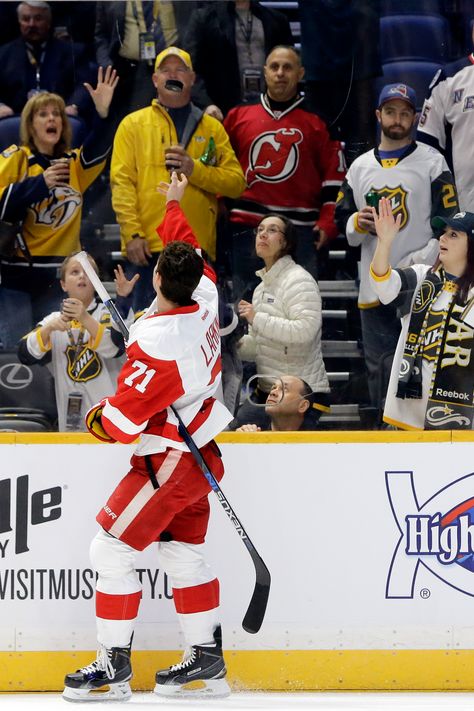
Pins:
<point x="386" y="226"/>
<point x="104" y="91"/>
<point x="124" y="286"/>
<point x="174" y="190"/>
<point x="387" y="229"/>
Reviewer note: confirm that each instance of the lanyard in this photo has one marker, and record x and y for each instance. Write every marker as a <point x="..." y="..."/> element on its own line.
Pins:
<point x="37" y="65"/>
<point x="144" y="15"/>
<point x="246" y="28"/>
<point x="80" y="337"/>
<point x="77" y="345"/>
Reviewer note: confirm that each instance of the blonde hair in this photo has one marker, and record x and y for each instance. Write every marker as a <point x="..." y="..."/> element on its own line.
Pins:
<point x="35" y="104"/>
<point x="70" y="258"/>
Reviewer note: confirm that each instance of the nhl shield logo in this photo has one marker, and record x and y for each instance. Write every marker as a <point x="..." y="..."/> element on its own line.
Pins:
<point x="398" y="201"/>
<point x="273" y="156"/>
<point x="83" y="366"/>
<point x="424" y="295"/>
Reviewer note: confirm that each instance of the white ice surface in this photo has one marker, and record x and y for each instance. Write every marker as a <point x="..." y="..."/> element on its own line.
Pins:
<point x="245" y="701"/>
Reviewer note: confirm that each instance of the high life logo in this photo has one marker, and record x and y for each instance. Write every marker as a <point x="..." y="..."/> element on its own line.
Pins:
<point x="19" y="509"/>
<point x="438" y="534"/>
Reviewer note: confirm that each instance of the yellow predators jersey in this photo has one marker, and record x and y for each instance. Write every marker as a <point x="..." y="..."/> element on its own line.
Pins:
<point x="51" y="217"/>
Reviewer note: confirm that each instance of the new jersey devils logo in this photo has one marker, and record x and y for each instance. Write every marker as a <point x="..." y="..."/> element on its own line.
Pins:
<point x="274" y="156"/>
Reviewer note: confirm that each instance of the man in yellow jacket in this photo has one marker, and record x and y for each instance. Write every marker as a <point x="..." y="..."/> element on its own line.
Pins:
<point x="170" y="134"/>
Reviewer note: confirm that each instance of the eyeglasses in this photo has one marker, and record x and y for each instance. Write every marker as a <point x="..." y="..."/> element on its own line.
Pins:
<point x="271" y="230"/>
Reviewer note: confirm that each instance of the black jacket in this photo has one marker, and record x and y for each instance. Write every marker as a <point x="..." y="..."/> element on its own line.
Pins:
<point x="210" y="39"/>
<point x="64" y="69"/>
<point x="110" y="27"/>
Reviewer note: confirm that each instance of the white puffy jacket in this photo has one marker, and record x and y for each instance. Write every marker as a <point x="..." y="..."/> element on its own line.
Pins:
<point x="285" y="337"/>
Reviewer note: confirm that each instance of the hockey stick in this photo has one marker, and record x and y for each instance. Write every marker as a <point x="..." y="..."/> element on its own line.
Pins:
<point x="256" y="610"/>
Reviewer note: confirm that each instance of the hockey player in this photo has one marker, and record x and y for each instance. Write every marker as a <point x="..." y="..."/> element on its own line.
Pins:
<point x="78" y="345"/>
<point x="173" y="359"/>
<point x="419" y="185"/>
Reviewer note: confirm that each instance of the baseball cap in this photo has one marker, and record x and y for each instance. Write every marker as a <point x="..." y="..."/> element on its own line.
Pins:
<point x="461" y="221"/>
<point x="177" y="52"/>
<point x="398" y="91"/>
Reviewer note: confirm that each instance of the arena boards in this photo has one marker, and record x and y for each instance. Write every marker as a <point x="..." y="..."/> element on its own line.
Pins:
<point x="367" y="536"/>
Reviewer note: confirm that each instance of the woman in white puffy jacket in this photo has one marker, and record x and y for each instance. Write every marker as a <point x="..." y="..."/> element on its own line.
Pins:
<point x="284" y="317"/>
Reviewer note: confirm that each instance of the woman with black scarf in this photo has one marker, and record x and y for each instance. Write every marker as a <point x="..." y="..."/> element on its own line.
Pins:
<point x="432" y="379"/>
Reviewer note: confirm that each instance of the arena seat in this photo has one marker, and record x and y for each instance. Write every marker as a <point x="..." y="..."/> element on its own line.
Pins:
<point x="26" y="393"/>
<point x="414" y="37"/>
<point x="416" y="74"/>
<point x="24" y="419"/>
<point x="10" y="131"/>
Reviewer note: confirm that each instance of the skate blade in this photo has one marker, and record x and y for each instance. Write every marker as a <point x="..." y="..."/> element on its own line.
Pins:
<point x="116" y="692"/>
<point x="205" y="688"/>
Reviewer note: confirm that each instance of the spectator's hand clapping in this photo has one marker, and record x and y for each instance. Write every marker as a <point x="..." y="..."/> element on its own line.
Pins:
<point x="124" y="286"/>
<point x="104" y="91"/>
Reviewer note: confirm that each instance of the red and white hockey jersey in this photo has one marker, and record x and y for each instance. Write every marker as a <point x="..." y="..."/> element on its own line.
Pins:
<point x="290" y="163"/>
<point x="173" y="358"/>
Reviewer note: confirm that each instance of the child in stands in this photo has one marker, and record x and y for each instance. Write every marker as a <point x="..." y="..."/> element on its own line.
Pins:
<point x="78" y="345"/>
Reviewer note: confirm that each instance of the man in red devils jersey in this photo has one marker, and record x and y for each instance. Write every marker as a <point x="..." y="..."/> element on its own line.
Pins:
<point x="291" y="166"/>
<point x="173" y="358"/>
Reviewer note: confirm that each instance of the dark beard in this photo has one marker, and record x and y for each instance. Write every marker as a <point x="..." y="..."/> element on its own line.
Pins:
<point x="396" y="135"/>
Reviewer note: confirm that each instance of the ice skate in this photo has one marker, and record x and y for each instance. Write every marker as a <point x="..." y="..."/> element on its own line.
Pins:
<point x="111" y="669"/>
<point x="200" y="674"/>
